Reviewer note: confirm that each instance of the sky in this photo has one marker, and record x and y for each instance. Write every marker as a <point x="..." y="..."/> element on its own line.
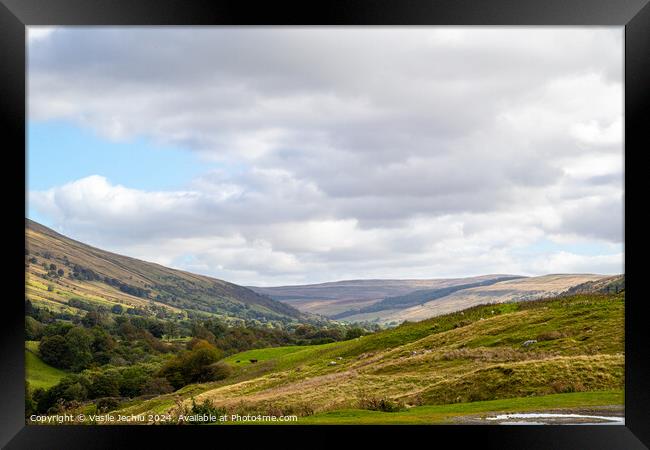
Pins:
<point x="272" y="156"/>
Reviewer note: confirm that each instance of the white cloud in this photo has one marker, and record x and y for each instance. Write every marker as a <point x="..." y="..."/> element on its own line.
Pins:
<point x="404" y="152"/>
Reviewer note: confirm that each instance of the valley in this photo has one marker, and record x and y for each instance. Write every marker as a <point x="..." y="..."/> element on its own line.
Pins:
<point x="106" y="333"/>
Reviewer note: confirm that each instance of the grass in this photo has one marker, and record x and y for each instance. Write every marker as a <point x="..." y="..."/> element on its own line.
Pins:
<point x="445" y="413"/>
<point x="38" y="373"/>
<point x="452" y="361"/>
<point x="263" y="354"/>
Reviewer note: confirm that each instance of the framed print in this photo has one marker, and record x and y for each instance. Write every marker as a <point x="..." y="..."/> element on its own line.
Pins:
<point x="273" y="221"/>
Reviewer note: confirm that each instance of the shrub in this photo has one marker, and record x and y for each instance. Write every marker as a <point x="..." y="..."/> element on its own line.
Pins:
<point x="105" y="384"/>
<point x="53" y="350"/>
<point x="72" y="388"/>
<point x="132" y="381"/>
<point x="156" y="386"/>
<point x="380" y="404"/>
<point x="33" y="329"/>
<point x="550" y="336"/>
<point x="191" y="366"/>
<point x="207" y="408"/>
<point x="217" y="371"/>
<point x="107" y="404"/>
<point x="78" y="354"/>
<point x="374" y="403"/>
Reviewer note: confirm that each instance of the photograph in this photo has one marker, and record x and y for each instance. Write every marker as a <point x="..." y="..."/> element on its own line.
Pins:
<point x="324" y="225"/>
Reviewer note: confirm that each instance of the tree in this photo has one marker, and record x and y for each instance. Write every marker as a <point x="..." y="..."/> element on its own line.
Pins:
<point x="216" y="327"/>
<point x="33" y="329"/>
<point x="157" y="329"/>
<point x="200" y="332"/>
<point x="52" y="266"/>
<point x="73" y="387"/>
<point x="53" y="351"/>
<point x="133" y="379"/>
<point x="78" y="345"/>
<point x="216" y="371"/>
<point x="60" y="272"/>
<point x="105" y="384"/>
<point x="91" y="319"/>
<point x="156" y="386"/>
<point x="191" y="366"/>
<point x="60" y="328"/>
<point x="353" y="333"/>
<point x="103" y="346"/>
<point x="29" y="308"/>
<point x="117" y="309"/>
<point x="76" y="391"/>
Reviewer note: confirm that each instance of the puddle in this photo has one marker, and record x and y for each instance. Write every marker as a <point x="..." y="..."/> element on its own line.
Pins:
<point x="555" y="419"/>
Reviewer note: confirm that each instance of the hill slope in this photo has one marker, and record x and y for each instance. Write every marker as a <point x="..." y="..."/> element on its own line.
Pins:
<point x="340" y="297"/>
<point x="66" y="274"/>
<point x="513" y="290"/>
<point x="393" y="301"/>
<point x="470" y="356"/>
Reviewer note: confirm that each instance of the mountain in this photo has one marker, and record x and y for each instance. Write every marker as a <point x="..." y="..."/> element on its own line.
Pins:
<point x="68" y="275"/>
<point x="340" y="297"/>
<point x="514" y="290"/>
<point x="613" y="285"/>
<point x="420" y="297"/>
<point x="393" y="301"/>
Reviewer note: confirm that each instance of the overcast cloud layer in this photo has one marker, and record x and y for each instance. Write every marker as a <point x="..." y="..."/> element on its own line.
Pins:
<point x="357" y="153"/>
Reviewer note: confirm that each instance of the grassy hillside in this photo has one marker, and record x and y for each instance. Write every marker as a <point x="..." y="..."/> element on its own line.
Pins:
<point x="64" y="275"/>
<point x="37" y="373"/>
<point x="458" y="359"/>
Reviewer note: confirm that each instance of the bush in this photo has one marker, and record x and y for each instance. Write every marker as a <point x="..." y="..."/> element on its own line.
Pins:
<point x="107" y="404"/>
<point x="133" y="380"/>
<point x="33" y="329"/>
<point x="156" y="386"/>
<point x="217" y="371"/>
<point x="191" y="366"/>
<point x="72" y="388"/>
<point x="105" y="384"/>
<point x="78" y="343"/>
<point x="550" y="336"/>
<point x="53" y="350"/>
<point x="207" y="408"/>
<point x="384" y="404"/>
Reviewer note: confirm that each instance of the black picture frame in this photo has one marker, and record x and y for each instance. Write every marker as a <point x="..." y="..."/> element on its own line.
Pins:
<point x="15" y="15"/>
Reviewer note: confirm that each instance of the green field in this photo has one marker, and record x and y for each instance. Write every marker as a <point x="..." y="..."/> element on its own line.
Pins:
<point x="422" y="415"/>
<point x="39" y="374"/>
<point x="461" y="363"/>
<point x="264" y="354"/>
